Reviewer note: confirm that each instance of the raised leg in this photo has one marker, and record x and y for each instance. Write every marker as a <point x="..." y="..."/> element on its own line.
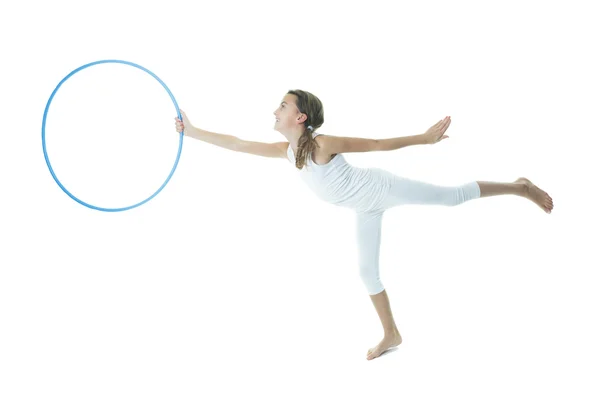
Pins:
<point x="521" y="187"/>
<point x="496" y="188"/>
<point x="409" y="191"/>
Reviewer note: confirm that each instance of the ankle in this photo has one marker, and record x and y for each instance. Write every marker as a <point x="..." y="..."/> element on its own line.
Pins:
<point x="391" y="333"/>
<point x="524" y="189"/>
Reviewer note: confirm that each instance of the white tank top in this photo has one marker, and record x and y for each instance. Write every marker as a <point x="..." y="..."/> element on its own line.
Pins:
<point x="342" y="184"/>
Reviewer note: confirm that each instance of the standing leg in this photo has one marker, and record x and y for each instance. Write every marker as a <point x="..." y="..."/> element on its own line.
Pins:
<point x="369" y="240"/>
<point x="391" y="336"/>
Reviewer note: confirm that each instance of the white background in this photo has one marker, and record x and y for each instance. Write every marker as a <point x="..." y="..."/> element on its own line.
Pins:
<point x="235" y="281"/>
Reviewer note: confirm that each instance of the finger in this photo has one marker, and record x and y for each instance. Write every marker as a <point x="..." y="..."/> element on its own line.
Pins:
<point x="447" y="123"/>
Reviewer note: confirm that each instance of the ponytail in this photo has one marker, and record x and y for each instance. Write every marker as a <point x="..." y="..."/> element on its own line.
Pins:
<point x="306" y="145"/>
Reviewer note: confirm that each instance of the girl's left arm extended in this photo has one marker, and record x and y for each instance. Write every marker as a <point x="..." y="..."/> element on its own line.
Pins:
<point x="399" y="142"/>
<point x="433" y="135"/>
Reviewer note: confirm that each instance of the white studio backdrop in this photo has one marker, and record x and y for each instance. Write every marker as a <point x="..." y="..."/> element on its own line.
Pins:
<point x="235" y="280"/>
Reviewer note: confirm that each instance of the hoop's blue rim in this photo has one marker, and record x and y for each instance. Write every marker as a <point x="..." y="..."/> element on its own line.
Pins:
<point x="44" y="135"/>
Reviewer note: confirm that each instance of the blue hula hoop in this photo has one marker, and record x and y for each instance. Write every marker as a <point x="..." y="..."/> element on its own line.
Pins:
<point x="44" y="136"/>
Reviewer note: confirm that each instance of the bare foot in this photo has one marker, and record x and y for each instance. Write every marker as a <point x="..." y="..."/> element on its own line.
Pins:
<point x="388" y="342"/>
<point x="537" y="195"/>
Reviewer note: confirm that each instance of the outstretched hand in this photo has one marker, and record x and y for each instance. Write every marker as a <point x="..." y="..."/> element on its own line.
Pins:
<point x="436" y="132"/>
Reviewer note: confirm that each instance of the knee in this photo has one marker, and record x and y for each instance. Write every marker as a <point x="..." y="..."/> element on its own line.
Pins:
<point x="454" y="198"/>
<point x="371" y="280"/>
<point x="465" y="193"/>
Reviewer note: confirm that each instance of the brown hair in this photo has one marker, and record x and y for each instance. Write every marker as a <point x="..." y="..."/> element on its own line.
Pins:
<point x="310" y="105"/>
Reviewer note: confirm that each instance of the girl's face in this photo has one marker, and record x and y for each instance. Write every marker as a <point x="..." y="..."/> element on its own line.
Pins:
<point x="287" y="114"/>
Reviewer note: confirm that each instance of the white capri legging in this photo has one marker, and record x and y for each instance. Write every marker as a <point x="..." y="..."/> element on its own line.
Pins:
<point x="402" y="191"/>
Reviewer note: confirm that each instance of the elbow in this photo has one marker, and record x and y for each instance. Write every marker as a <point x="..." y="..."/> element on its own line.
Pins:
<point x="236" y="144"/>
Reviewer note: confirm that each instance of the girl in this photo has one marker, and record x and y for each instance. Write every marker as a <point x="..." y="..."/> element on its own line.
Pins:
<point x="368" y="191"/>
